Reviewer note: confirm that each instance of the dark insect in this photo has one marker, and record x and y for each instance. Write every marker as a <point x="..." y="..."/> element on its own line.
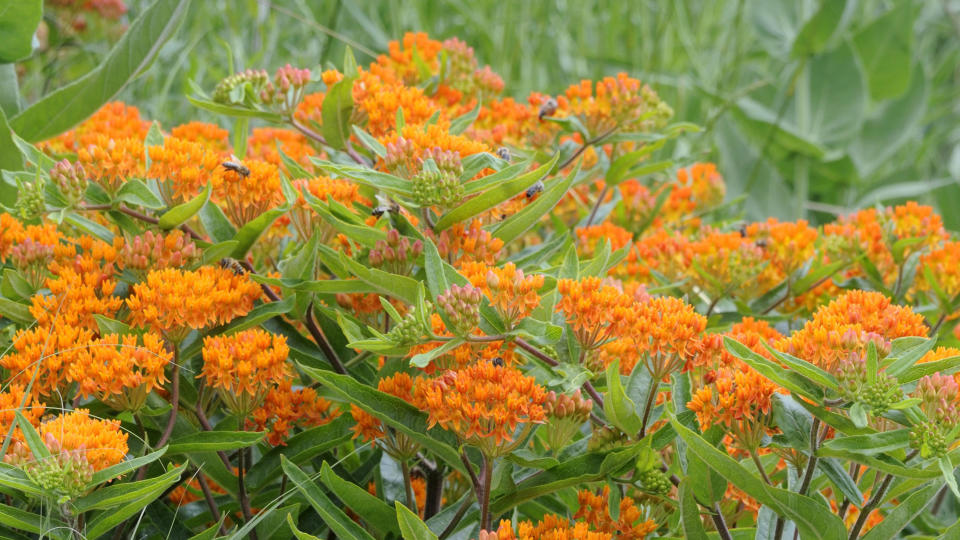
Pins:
<point x="547" y="109"/>
<point x="761" y="243"/>
<point x="384" y="208"/>
<point x="233" y="265"/>
<point x="498" y="361"/>
<point x="743" y="231"/>
<point x="534" y="189"/>
<point x="503" y="153"/>
<point x="238" y="168"/>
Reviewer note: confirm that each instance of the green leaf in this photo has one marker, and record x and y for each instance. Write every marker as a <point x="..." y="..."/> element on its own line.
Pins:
<point x="400" y="287"/>
<point x="422" y="360"/>
<point x="519" y="223"/>
<point x="620" y="168"/>
<point x="918" y="371"/>
<point x="813" y="519"/>
<point x="15" y="311"/>
<point x="210" y="533"/>
<point x="34" y="441"/>
<point x="361" y="233"/>
<point x="237" y="111"/>
<point x="136" y="192"/>
<point x="835" y="471"/>
<point x="460" y="124"/>
<point x="297" y="532"/>
<point x="368" y="177"/>
<point x="436" y="278"/>
<point x="393" y="411"/>
<point x="896" y="520"/>
<point x="67" y="106"/>
<point x="106" y="325"/>
<point x="182" y="212"/>
<point x="837" y="97"/>
<point x="793" y="420"/>
<point x="370" y="508"/>
<point x="105" y="521"/>
<point x="211" y="441"/>
<point x="818" y="273"/>
<point x="411" y="527"/>
<point x="330" y="513"/>
<point x="494" y="196"/>
<point x="336" y="111"/>
<point x="215" y="223"/>
<point x="946" y="467"/>
<point x="89" y="227"/>
<point x="504" y="174"/>
<point x="874" y="443"/>
<point x="825" y="23"/>
<point x="251" y="232"/>
<point x="15" y="478"/>
<point x="123" y="467"/>
<point x="885" y="49"/>
<point x="788" y="379"/>
<point x="18" y="22"/>
<point x="589" y="467"/>
<point x="217" y="252"/>
<point x="690" y="513"/>
<point x="858" y="414"/>
<point x="11" y="159"/>
<point x="761" y="124"/>
<point x="369" y="141"/>
<point x="301" y="448"/>
<point x="121" y="492"/>
<point x="804" y="368"/>
<point x="620" y="410"/>
<point x="23" y="520"/>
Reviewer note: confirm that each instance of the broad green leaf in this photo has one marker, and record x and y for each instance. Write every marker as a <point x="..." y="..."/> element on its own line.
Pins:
<point x="349" y="63"/>
<point x="15" y="311"/>
<point x="182" y="212"/>
<point x="400" y="287"/>
<point x="105" y="521"/>
<point x="881" y="462"/>
<point x="330" y="513"/>
<point x="237" y="111"/>
<point x="15" y="285"/>
<point x="370" y="508"/>
<point x="793" y="421"/>
<point x="215" y="223"/>
<point x="18" y="22"/>
<point x="34" y="441"/>
<point x="875" y="443"/>
<point x="411" y="527"/>
<point x="905" y="352"/>
<point x="812" y="518"/>
<point x="519" y="223"/>
<point x="393" y="411"/>
<point x="361" y="233"/>
<point x="90" y="227"/>
<point x="896" y="520"/>
<point x="11" y="159"/>
<point x="211" y="441"/>
<point x="620" y="168"/>
<point x="474" y="163"/>
<point x="297" y="532"/>
<point x="14" y="478"/>
<point x="858" y="415"/>
<point x="368" y="177"/>
<point x="804" y="368"/>
<point x="336" y="111"/>
<point x="121" y="492"/>
<point x="885" y="48"/>
<point x="301" y="448"/>
<point x="460" y="124"/>
<point x="835" y="471"/>
<point x="136" y="192"/>
<point x="619" y="409"/>
<point x="436" y="279"/>
<point x="494" y="196"/>
<point x="788" y="379"/>
<point x="422" y="360"/>
<point x="690" y="513"/>
<point x="123" y="467"/>
<point x="106" y="325"/>
<point x="9" y="95"/>
<point x="217" y="252"/>
<point x="837" y="97"/>
<point x="946" y="467"/>
<point x="324" y="286"/>
<point x="21" y="519"/>
<point x="918" y="371"/>
<point x="760" y="124"/>
<point x="251" y="232"/>
<point x="590" y="467"/>
<point x="69" y="105"/>
<point x="504" y="174"/>
<point x="369" y="141"/>
<point x="826" y="22"/>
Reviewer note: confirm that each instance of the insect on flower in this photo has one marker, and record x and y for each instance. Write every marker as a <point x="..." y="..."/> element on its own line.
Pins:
<point x="503" y="153"/>
<point x="534" y="189"/>
<point x="391" y="207"/>
<point x="233" y="265"/>
<point x="498" y="361"/>
<point x="547" y="109"/>
<point x="237" y="167"/>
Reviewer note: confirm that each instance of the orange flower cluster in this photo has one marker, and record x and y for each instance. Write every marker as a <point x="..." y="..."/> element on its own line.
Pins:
<point x="588" y="238"/>
<point x="738" y="398"/>
<point x="243" y="366"/>
<point x="212" y="136"/>
<point x="484" y="403"/>
<point x="12" y="399"/>
<point x="550" y="527"/>
<point x="302" y="216"/>
<point x="619" y="101"/>
<point x="102" y="441"/>
<point x="115" y="120"/>
<point x="13" y="233"/>
<point x="284" y="408"/>
<point x="467" y="243"/>
<point x="786" y="245"/>
<point x="246" y="197"/>
<point x="944" y="265"/>
<point x="110" y="162"/>
<point x="153" y="251"/>
<point x="696" y="189"/>
<point x="174" y="301"/>
<point x="465" y="354"/>
<point x="512" y="293"/>
<point x="750" y="332"/>
<point x="120" y="370"/>
<point x="183" y="167"/>
<point x="263" y="142"/>
<point x="847" y="323"/>
<point x="400" y="385"/>
<point x="595" y="311"/>
<point x="629" y="525"/>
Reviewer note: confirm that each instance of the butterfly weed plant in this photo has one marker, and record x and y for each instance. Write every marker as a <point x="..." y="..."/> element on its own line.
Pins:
<point x="393" y="304"/>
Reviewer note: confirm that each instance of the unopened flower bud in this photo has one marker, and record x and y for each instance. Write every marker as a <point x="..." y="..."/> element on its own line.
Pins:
<point x="70" y="179"/>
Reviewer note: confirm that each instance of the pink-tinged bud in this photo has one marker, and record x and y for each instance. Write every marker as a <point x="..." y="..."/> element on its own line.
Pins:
<point x="493" y="281"/>
<point x="393" y="237"/>
<point x="389" y="255"/>
<point x="376" y="257"/>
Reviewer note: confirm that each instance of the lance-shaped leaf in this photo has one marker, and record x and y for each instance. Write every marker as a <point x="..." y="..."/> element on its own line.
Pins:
<point x="897" y="518"/>
<point x="106" y="520"/>
<point x="251" y="232"/>
<point x="620" y="410"/>
<point x="812" y="518"/>
<point x="301" y="448"/>
<point x="788" y="379"/>
<point x="331" y="514"/>
<point x="368" y="177"/>
<point x="211" y="441"/>
<point x="182" y="212"/>
<point x="400" y="287"/>
<point x="520" y="222"/>
<point x="69" y="105"/>
<point x="494" y="196"/>
<point x="369" y="507"/>
<point x="690" y="513"/>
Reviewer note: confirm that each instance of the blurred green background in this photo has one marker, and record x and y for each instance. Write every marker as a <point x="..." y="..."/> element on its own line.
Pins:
<point x="811" y="108"/>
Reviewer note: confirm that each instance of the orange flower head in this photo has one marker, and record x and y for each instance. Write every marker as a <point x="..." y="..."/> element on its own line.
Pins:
<point x="285" y="408"/>
<point x="115" y="120"/>
<point x="618" y="101"/>
<point x="183" y="167"/>
<point x="111" y="162"/>
<point x="738" y="398"/>
<point x="173" y="301"/>
<point x="588" y="238"/>
<point x="212" y="136"/>
<point x="102" y="442"/>
<point x="511" y="292"/>
<point x="594" y="510"/>
<point x="484" y="403"/>
<point x="467" y="243"/>
<point x="263" y="144"/>
<point x="120" y="370"/>
<point x="247" y="196"/>
<point x="244" y="366"/>
<point x="595" y="311"/>
<point x="369" y="427"/>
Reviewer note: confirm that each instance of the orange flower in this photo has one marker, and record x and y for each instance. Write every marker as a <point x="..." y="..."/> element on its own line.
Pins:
<point x="467" y="243"/>
<point x="183" y="167"/>
<point x="11" y="401"/>
<point x="435" y="137"/>
<point x="368" y="426"/>
<point x="47" y="351"/>
<point x="463" y="355"/>
<point x="102" y="441"/>
<point x="618" y="101"/>
<point x="153" y="251"/>
<point x="13" y="233"/>
<point x="944" y="264"/>
<point x="120" y="371"/>
<point x="550" y="527"/>
<point x="738" y="398"/>
<point x="263" y="144"/>
<point x="629" y="525"/>
<point x="212" y="136"/>
<point x="174" y="301"/>
<point x="244" y="366"/>
<point x="722" y="264"/>
<point x="377" y="101"/>
<point x="484" y="403"/>
<point x="588" y="238"/>
<point x="849" y="321"/>
<point x="246" y="197"/>
<point x="512" y="293"/>
<point x="787" y="245"/>
<point x="750" y="332"/>
<point x="697" y="188"/>
<point x="115" y="120"/>
<point x="284" y="408"/>
<point x="596" y="312"/>
<point x="303" y="217"/>
<point x="110" y="162"/>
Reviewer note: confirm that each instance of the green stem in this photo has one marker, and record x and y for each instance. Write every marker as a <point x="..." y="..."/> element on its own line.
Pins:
<point x="408" y="486"/>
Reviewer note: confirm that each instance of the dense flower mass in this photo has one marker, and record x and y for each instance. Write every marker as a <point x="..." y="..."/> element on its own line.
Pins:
<point x="545" y="320"/>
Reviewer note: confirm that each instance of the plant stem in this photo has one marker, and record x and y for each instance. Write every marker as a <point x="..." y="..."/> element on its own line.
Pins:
<point x="596" y="205"/>
<point x="588" y="144"/>
<point x="242" y="491"/>
<point x="537" y="353"/>
<point x="759" y="464"/>
<point x="205" y="424"/>
<point x="473" y="475"/>
<point x="434" y="491"/>
<point x="322" y="342"/>
<point x="174" y="399"/>
<point x="408" y="486"/>
<point x="720" y="524"/>
<point x="485" y="501"/>
<point x="208" y="495"/>
<point x="142" y="217"/>
<point x="462" y="511"/>
<point x="319" y="138"/>
<point x="648" y="406"/>
<point x="870" y="506"/>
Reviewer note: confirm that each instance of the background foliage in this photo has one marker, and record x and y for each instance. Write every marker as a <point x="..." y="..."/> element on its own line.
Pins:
<point x="812" y="110"/>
